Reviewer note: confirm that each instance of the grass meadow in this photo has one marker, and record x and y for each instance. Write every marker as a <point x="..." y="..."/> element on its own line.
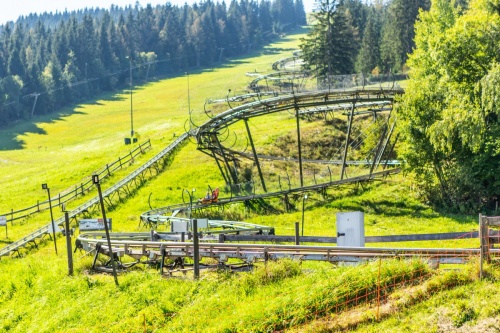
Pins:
<point x="63" y="150"/>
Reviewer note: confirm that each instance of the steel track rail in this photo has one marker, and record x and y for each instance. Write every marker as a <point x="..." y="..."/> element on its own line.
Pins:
<point x="314" y="99"/>
<point x="250" y="253"/>
<point x="159" y="214"/>
<point x="276" y="104"/>
<point x="44" y="230"/>
<point x="305" y="160"/>
<point x="214" y="226"/>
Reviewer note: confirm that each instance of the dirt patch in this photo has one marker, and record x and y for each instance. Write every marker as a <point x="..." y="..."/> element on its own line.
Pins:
<point x="482" y="326"/>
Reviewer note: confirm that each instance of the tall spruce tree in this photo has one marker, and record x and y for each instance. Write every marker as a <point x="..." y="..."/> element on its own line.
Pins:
<point x="330" y="47"/>
<point x="300" y="13"/>
<point x="398" y="32"/>
<point x="369" y="54"/>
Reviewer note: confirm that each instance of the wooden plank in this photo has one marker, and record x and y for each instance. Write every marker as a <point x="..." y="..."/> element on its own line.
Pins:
<point x="493" y="221"/>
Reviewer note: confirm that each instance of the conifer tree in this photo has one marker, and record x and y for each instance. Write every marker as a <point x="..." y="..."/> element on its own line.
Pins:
<point x="369" y="54"/>
<point x="330" y="47"/>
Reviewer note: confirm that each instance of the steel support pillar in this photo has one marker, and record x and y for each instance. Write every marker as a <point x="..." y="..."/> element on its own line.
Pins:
<point x="377" y="152"/>
<point x="299" y="144"/>
<point x="391" y="150"/>
<point x="386" y="143"/>
<point x="224" y="175"/>
<point x="348" y="137"/>
<point x="226" y="162"/>
<point x="255" y="156"/>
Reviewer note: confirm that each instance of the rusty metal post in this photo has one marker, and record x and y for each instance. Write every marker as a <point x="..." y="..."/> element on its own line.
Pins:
<point x="299" y="144"/>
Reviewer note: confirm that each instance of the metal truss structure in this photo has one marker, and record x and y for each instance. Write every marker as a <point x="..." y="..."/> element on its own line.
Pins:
<point x="349" y="103"/>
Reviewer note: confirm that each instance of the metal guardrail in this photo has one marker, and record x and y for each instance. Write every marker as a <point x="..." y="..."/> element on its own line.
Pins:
<point x="368" y="239"/>
<point x="43" y="230"/>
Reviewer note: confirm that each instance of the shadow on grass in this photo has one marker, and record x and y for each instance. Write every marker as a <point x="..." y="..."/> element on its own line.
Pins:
<point x="9" y="137"/>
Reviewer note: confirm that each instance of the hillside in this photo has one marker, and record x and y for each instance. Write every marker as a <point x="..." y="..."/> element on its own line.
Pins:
<point x="36" y="295"/>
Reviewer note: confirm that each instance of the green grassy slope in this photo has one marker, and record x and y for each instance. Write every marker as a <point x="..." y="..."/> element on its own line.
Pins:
<point x="36" y="295"/>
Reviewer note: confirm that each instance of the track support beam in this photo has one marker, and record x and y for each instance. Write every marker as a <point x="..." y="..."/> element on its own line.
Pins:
<point x="299" y="144"/>
<point x="348" y="137"/>
<point x="257" y="163"/>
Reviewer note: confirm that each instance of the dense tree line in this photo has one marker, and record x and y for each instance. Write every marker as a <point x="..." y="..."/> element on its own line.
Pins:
<point x="51" y="60"/>
<point x="450" y="113"/>
<point x="355" y="36"/>
<point x="449" y="116"/>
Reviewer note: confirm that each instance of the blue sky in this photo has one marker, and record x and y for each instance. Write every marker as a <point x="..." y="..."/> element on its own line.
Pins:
<point x="10" y="11"/>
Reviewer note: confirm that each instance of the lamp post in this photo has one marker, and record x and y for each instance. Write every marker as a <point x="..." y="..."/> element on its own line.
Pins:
<point x="45" y="187"/>
<point x="68" y="243"/>
<point x="303" y="205"/>
<point x="131" y="104"/>
<point x="189" y="101"/>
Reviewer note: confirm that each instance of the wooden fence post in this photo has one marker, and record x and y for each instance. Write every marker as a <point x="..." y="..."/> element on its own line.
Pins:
<point x="484" y="242"/>
<point x="481" y="246"/>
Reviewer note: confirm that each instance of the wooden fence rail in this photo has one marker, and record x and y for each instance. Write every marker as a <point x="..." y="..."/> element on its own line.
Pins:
<point x="76" y="191"/>
<point x="487" y="238"/>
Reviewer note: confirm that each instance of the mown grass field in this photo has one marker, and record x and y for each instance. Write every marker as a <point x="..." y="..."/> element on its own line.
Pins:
<point x="36" y="295"/>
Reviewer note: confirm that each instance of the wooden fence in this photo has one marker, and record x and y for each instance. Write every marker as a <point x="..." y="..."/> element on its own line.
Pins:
<point x="77" y="190"/>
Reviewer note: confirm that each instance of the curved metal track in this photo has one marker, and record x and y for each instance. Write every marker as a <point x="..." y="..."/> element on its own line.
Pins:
<point x="164" y="214"/>
<point x="280" y="76"/>
<point x="319" y="101"/>
<point x="211" y="136"/>
<point x="281" y="64"/>
<point x="307" y="102"/>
